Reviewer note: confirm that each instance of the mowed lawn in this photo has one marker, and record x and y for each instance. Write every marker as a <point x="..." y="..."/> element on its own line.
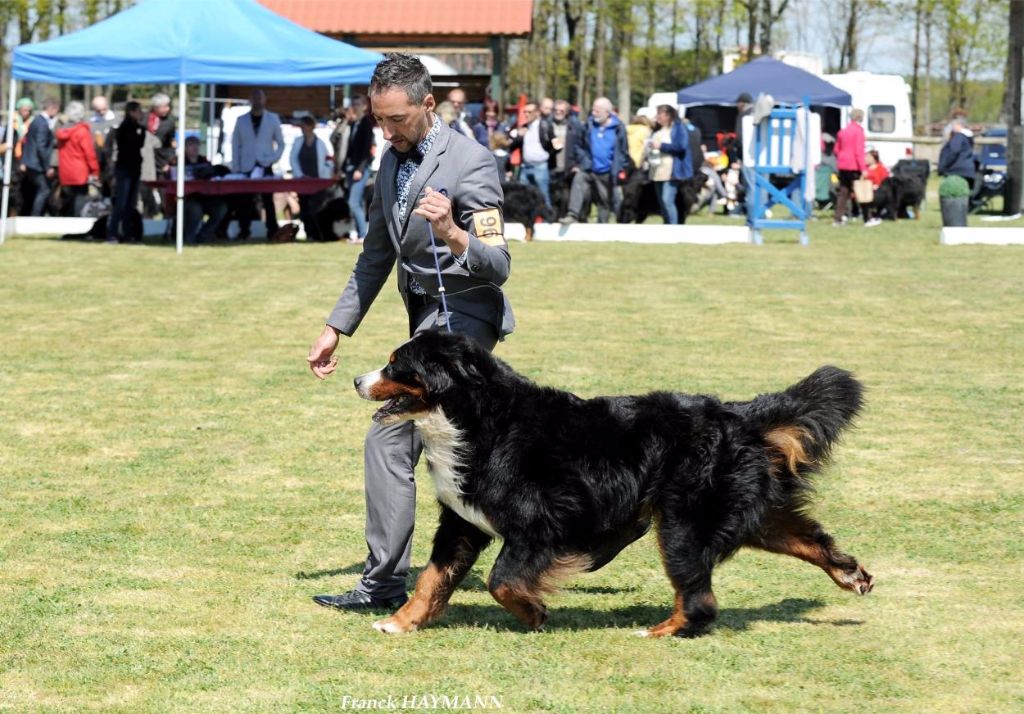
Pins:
<point x="175" y="485"/>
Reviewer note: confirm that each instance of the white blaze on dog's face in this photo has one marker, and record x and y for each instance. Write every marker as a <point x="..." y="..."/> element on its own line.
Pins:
<point x="401" y="393"/>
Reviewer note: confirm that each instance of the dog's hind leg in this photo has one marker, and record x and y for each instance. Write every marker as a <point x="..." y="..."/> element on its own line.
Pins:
<point x="688" y="565"/>
<point x="457" y="545"/>
<point x="523" y="575"/>
<point x="793" y="533"/>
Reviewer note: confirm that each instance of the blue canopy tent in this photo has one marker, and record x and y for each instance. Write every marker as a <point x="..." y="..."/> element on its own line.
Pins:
<point x="796" y="91"/>
<point x="188" y="41"/>
<point x="786" y="84"/>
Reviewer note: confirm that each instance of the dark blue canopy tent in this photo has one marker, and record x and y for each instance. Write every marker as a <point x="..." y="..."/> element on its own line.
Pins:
<point x="783" y="82"/>
<point x="188" y="41"/>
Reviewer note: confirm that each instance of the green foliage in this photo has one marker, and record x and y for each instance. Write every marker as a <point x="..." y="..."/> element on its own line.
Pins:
<point x="954" y="187"/>
<point x="176" y="485"/>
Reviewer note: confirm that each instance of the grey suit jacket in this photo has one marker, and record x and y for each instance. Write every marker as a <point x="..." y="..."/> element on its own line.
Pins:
<point x="467" y="170"/>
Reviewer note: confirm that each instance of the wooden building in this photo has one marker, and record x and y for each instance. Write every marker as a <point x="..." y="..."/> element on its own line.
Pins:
<point x="463" y="43"/>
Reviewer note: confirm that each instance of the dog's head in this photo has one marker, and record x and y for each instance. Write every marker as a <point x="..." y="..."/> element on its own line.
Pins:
<point x="431" y="370"/>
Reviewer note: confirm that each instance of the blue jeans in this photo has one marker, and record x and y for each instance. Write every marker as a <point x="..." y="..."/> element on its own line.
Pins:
<point x="539" y="175"/>
<point x="356" y="189"/>
<point x="666" y="191"/>
<point x="748" y="175"/>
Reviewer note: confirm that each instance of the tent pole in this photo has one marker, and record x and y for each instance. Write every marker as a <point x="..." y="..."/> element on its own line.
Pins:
<point x="8" y="157"/>
<point x="180" y="222"/>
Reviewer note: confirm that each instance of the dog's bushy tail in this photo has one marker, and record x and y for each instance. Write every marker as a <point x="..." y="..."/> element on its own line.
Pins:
<point x="801" y="424"/>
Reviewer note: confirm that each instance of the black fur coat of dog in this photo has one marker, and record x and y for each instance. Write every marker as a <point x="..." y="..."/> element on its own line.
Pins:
<point x="567" y="482"/>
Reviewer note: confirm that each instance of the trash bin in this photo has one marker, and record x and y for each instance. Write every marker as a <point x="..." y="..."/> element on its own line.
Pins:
<point x="954" y="211"/>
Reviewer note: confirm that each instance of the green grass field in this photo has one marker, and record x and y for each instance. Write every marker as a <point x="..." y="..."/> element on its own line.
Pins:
<point x="175" y="485"/>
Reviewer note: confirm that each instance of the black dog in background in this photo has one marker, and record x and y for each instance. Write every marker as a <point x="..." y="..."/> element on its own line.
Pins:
<point x="567" y="483"/>
<point x="524" y="203"/>
<point x="639" y="199"/>
<point x="900" y="196"/>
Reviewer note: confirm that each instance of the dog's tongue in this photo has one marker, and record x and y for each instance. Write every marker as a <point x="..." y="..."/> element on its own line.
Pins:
<point x="396" y="405"/>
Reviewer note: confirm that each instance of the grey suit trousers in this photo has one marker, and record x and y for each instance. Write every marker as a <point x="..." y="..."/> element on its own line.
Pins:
<point x="391" y="454"/>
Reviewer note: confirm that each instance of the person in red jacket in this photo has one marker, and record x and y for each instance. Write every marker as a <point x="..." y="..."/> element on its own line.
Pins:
<point x="76" y="154"/>
<point x="876" y="173"/>
<point x="850" y="163"/>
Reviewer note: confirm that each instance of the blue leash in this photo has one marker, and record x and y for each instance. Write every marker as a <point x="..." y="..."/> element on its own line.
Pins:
<point x="437" y="266"/>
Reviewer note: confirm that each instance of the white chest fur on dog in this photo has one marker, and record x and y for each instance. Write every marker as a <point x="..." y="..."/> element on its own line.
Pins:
<point x="442" y="445"/>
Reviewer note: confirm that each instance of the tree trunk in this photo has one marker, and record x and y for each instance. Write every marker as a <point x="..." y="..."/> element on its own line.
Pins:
<point x="752" y="22"/>
<point x="1015" y="118"/>
<point x="600" y="48"/>
<point x="571" y="25"/>
<point x="916" y="75"/>
<point x="928" y="70"/>
<point x="651" y="39"/>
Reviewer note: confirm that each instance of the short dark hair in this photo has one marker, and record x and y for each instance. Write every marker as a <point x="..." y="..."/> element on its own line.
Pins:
<point x="307" y="120"/>
<point x="405" y="72"/>
<point x="132" y="106"/>
<point x="672" y="112"/>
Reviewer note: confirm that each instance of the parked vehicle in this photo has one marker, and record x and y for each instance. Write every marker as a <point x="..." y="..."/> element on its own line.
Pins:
<point x="992" y="180"/>
<point x="885" y="99"/>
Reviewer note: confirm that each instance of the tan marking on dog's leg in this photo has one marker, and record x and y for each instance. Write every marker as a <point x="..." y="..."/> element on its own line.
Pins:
<point x="803" y="538"/>
<point x="427" y="603"/>
<point x="525" y="604"/>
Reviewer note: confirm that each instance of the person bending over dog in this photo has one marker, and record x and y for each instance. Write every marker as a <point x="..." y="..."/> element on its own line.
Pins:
<point x="433" y="183"/>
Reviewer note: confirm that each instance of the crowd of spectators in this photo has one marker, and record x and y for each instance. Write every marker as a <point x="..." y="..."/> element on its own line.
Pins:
<point x="577" y="161"/>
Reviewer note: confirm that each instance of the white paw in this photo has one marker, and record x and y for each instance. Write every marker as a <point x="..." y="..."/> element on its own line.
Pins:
<point x="390" y="627"/>
<point x="642" y="633"/>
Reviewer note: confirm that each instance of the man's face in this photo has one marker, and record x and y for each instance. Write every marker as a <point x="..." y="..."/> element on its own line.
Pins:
<point x="458" y="99"/>
<point x="25" y="111"/>
<point x="258" y="101"/>
<point x="136" y="114"/>
<point x="531" y="112"/>
<point x="99" y="105"/>
<point x="600" y="112"/>
<point x="404" y="123"/>
<point x="561" y="111"/>
<point x="162" y="111"/>
<point x="546" y="107"/>
<point x="192" y="150"/>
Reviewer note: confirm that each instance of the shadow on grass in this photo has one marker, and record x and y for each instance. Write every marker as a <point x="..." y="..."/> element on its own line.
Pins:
<point x="473" y="581"/>
<point x="790" y="610"/>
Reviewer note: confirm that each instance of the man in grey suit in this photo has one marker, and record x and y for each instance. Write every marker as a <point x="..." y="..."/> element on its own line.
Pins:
<point x="431" y="178"/>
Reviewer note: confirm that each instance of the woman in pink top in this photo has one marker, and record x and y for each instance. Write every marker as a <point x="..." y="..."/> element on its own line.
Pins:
<point x="850" y="162"/>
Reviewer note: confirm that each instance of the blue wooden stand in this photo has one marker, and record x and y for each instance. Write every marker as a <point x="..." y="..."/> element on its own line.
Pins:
<point x="773" y="145"/>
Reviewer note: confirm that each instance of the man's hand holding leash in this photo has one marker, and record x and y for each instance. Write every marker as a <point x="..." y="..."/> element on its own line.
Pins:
<point x="436" y="207"/>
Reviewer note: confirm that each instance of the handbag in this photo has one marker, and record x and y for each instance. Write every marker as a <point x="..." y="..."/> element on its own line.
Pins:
<point x="863" y="191"/>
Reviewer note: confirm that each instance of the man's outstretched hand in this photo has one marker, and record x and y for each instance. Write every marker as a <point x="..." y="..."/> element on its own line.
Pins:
<point x="322" y="361"/>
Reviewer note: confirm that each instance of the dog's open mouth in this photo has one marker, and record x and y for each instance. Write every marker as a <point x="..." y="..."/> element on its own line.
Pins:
<point x="395" y="407"/>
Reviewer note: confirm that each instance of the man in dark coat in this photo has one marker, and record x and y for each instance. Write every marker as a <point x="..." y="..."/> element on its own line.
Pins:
<point x="36" y="155"/>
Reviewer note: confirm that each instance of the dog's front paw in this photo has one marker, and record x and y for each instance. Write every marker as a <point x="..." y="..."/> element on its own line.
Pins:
<point x="394" y="626"/>
<point x="859" y="581"/>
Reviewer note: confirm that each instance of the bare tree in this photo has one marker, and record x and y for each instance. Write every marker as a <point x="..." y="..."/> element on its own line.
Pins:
<point x="752" y="9"/>
<point x="769" y="17"/>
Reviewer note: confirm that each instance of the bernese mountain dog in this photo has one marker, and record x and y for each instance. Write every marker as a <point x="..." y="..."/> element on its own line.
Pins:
<point x="566" y="483"/>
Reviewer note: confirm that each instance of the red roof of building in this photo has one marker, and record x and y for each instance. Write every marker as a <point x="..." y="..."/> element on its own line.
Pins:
<point x="409" y="17"/>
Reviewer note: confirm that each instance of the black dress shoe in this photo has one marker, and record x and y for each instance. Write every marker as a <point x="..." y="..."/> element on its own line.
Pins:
<point x="355" y="600"/>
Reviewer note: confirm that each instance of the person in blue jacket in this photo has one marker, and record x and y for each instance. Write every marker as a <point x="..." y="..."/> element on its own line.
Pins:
<point x="957" y="155"/>
<point x="602" y="161"/>
<point x="678" y="147"/>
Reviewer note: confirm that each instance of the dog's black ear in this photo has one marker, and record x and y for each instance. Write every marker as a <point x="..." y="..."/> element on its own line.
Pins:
<point x="435" y="376"/>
